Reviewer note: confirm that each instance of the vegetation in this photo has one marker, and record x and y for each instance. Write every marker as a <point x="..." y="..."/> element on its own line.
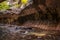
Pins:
<point x="4" y="6"/>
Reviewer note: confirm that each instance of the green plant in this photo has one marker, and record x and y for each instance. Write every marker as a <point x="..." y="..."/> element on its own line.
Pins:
<point x="4" y="6"/>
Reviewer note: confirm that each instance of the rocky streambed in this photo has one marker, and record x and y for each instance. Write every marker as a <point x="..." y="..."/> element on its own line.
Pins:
<point x="15" y="32"/>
